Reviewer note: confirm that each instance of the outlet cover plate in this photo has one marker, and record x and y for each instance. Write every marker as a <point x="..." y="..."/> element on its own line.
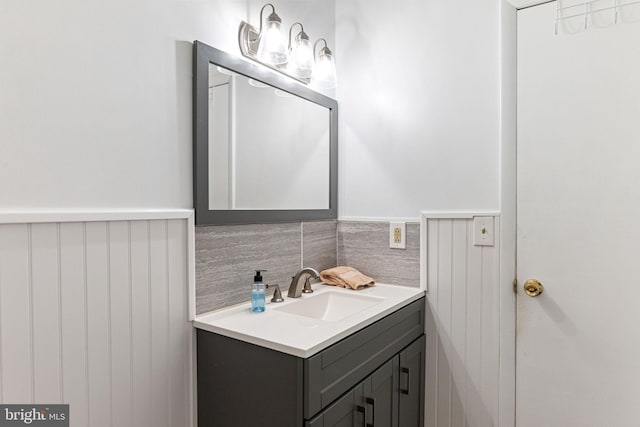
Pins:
<point x="397" y="235"/>
<point x="483" y="231"/>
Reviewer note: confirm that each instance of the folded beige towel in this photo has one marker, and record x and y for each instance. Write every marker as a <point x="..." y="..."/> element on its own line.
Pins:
<point x="346" y="277"/>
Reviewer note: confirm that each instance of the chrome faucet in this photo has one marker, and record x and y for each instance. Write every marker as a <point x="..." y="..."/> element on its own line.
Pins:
<point x="295" y="289"/>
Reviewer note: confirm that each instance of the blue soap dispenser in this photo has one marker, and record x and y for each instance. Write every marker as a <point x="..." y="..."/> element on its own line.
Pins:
<point x="257" y="293"/>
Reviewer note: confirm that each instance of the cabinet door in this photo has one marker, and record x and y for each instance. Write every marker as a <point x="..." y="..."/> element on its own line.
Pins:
<point x="347" y="411"/>
<point x="372" y="403"/>
<point x="411" y="402"/>
<point x="380" y="396"/>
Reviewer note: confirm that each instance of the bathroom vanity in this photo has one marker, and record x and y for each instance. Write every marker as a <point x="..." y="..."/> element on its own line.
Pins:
<point x="304" y="366"/>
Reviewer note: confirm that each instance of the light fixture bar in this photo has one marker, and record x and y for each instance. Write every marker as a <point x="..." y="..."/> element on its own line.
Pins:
<point x="249" y="36"/>
<point x="301" y="54"/>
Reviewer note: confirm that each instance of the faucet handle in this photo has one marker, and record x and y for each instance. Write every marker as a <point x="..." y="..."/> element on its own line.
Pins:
<point x="307" y="286"/>
<point x="277" y="295"/>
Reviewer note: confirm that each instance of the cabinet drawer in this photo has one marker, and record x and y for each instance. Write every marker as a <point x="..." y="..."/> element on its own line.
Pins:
<point x="335" y="370"/>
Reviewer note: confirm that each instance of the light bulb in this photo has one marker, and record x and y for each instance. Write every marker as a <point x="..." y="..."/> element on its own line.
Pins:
<point x="301" y="58"/>
<point x="324" y="72"/>
<point x="272" y="48"/>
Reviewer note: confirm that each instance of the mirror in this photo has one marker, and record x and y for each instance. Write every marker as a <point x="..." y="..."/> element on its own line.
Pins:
<point x="265" y="146"/>
<point x="268" y="149"/>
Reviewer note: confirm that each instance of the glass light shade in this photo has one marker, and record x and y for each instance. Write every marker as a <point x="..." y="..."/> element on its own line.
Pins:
<point x="301" y="59"/>
<point x="272" y="48"/>
<point x="324" y="72"/>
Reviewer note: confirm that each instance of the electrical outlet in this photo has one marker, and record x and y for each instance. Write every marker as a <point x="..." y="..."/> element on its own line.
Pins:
<point x="483" y="231"/>
<point x="397" y="235"/>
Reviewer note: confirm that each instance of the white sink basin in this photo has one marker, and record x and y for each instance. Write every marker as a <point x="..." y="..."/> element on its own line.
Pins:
<point x="306" y="325"/>
<point x="330" y="306"/>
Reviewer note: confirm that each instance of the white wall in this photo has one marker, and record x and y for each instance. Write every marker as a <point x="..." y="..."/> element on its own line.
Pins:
<point x="419" y="93"/>
<point x="95" y="97"/>
<point x="96" y="100"/>
<point x="427" y="116"/>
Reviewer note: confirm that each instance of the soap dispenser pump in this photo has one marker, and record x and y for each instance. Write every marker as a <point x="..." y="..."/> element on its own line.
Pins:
<point x="257" y="293"/>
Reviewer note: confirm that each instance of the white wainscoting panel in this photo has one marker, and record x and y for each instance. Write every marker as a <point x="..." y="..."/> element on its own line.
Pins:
<point x="95" y="314"/>
<point x="462" y="363"/>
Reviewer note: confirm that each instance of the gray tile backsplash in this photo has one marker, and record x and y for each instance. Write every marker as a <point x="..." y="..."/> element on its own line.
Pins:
<point x="319" y="244"/>
<point x="365" y="246"/>
<point x="226" y="256"/>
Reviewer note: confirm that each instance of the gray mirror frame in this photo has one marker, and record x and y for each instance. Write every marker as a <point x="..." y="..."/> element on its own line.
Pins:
<point x="203" y="55"/>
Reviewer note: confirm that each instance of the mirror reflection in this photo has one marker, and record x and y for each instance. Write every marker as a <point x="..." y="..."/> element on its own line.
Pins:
<point x="268" y="149"/>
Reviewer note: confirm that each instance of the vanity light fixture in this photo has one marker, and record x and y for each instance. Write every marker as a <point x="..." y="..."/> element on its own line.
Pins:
<point x="297" y="59"/>
<point x="267" y="44"/>
<point x="300" y="54"/>
<point x="324" y="70"/>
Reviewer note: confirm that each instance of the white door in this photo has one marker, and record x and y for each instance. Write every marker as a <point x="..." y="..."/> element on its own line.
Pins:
<point x="578" y="343"/>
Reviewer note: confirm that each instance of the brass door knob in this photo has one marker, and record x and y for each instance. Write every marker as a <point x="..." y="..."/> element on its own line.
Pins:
<point x="533" y="288"/>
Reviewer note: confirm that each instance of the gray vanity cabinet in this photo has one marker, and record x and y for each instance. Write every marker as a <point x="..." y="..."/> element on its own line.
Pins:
<point x="372" y="378"/>
<point x="390" y="397"/>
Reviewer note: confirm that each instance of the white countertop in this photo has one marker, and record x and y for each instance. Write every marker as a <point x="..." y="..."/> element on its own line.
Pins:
<point x="300" y="335"/>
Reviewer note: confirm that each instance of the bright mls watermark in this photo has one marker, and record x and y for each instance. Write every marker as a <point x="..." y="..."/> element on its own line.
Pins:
<point x="34" y="415"/>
